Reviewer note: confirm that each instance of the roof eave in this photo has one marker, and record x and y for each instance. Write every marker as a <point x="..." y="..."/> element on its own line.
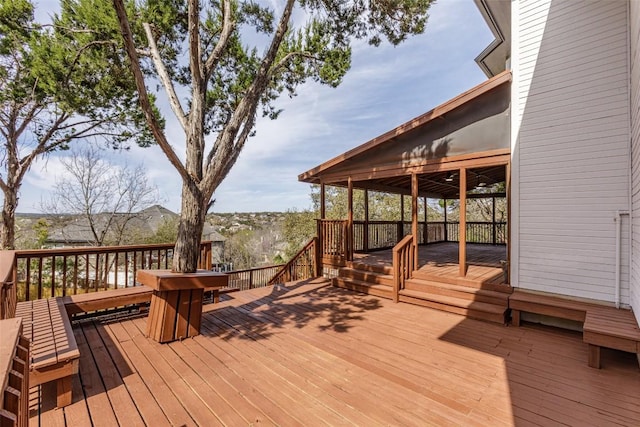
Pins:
<point x="313" y="176"/>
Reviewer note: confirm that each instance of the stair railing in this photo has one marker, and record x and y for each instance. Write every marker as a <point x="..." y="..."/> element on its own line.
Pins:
<point x="304" y="265"/>
<point x="403" y="264"/>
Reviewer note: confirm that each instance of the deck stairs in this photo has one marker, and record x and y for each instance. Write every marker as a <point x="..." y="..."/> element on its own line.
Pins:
<point x="470" y="298"/>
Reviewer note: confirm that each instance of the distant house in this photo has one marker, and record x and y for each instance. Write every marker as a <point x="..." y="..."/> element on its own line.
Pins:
<point x="558" y="122"/>
<point x="76" y="230"/>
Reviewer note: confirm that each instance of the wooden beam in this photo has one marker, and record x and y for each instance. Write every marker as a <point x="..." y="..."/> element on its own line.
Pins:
<point x="350" y="220"/>
<point x="507" y="237"/>
<point x="462" y="230"/>
<point x="323" y="201"/>
<point x="475" y="160"/>
<point x="365" y="232"/>
<point x="414" y="216"/>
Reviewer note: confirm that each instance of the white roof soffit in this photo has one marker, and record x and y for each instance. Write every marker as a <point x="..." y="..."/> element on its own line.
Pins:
<point x="497" y="13"/>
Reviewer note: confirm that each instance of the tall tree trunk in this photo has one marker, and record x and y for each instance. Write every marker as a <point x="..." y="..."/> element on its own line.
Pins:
<point x="8" y="230"/>
<point x="192" y="217"/>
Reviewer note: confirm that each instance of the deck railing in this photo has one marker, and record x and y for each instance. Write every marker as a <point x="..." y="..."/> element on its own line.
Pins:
<point x="44" y="273"/>
<point x="252" y="278"/>
<point x="494" y="233"/>
<point x="333" y="241"/>
<point x="403" y="264"/>
<point x="304" y="265"/>
<point x="376" y="235"/>
<point x="8" y="294"/>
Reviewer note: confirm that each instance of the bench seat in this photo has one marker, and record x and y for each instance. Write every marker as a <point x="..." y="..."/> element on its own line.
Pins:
<point x="610" y="328"/>
<point x="54" y="351"/>
<point x="102" y="300"/>
<point x="603" y="326"/>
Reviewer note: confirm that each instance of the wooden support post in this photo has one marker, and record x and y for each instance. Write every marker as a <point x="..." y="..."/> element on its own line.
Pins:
<point x="350" y="220"/>
<point x="446" y="232"/>
<point x="494" y="225"/>
<point x="323" y="201"/>
<point x="414" y="216"/>
<point x="462" y="232"/>
<point x="365" y="232"/>
<point x="508" y="191"/>
<point x="594" y="356"/>
<point x="425" y="233"/>
<point x="400" y="230"/>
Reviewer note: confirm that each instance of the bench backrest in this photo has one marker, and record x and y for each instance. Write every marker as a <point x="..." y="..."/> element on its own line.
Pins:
<point x="8" y="292"/>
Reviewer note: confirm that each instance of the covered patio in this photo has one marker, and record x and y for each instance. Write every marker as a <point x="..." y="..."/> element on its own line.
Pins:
<point x="458" y="151"/>
<point x="309" y="354"/>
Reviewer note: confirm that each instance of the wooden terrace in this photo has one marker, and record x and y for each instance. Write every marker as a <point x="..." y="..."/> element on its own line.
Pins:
<point x="311" y="354"/>
<point x="484" y="262"/>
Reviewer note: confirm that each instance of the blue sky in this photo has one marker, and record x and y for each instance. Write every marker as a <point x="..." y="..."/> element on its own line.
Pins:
<point x="386" y="87"/>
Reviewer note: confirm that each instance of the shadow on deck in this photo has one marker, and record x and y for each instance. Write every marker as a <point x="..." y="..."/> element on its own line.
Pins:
<point x="310" y="354"/>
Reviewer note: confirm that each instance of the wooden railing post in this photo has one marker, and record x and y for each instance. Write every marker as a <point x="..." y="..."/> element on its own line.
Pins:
<point x="403" y="264"/>
<point x="318" y="257"/>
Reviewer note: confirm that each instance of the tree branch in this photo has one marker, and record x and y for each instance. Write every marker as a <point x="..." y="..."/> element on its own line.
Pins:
<point x="225" y="143"/>
<point x="195" y="61"/>
<point x="145" y="103"/>
<point x="225" y="35"/>
<point x="164" y="77"/>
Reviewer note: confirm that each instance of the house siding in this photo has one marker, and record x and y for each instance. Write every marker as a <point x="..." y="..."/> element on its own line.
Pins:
<point x="571" y="148"/>
<point x="634" y="36"/>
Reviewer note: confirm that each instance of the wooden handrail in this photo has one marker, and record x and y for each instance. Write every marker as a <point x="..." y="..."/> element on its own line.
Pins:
<point x="303" y="265"/>
<point x="41" y="273"/>
<point x="8" y="296"/>
<point x="14" y="374"/>
<point x="403" y="264"/>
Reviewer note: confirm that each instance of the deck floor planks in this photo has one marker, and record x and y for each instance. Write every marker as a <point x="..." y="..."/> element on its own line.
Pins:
<point x="219" y="409"/>
<point x="273" y="339"/>
<point x="102" y="414"/>
<point x="298" y="403"/>
<point x="156" y="355"/>
<point x="341" y="354"/>
<point x="163" y="395"/>
<point x="368" y="353"/>
<point x="302" y="376"/>
<point x="311" y="363"/>
<point x="121" y="401"/>
<point x="150" y="412"/>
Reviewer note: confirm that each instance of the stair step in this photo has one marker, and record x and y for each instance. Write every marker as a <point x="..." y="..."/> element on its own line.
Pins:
<point x="381" y="269"/>
<point x="383" y="291"/>
<point x="366" y="276"/>
<point x="457" y="291"/>
<point x="471" y="309"/>
<point x="462" y="281"/>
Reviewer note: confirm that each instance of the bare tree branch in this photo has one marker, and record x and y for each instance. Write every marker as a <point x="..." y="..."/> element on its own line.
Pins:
<point x="227" y="29"/>
<point x="164" y="77"/>
<point x="247" y="105"/>
<point x="145" y="103"/>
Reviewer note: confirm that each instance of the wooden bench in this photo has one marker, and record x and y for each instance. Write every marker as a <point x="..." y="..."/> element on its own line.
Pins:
<point x="611" y="328"/>
<point x="54" y="352"/>
<point x="14" y="374"/>
<point x="547" y="305"/>
<point x="103" y="300"/>
<point x="603" y="326"/>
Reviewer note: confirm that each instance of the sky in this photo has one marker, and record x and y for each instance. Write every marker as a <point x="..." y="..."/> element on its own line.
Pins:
<point x="385" y="87"/>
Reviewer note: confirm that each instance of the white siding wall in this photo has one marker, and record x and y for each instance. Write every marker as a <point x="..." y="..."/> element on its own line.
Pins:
<point x="571" y="145"/>
<point x="635" y="138"/>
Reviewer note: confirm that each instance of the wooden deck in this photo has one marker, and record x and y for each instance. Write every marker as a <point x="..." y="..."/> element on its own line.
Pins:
<point x="313" y="354"/>
<point x="441" y="259"/>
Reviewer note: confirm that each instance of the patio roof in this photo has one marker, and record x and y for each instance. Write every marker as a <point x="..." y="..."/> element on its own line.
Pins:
<point x="471" y="126"/>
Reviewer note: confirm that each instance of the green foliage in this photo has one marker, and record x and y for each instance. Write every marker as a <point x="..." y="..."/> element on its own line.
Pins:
<point x="167" y="232"/>
<point x="41" y="229"/>
<point x="298" y="228"/>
